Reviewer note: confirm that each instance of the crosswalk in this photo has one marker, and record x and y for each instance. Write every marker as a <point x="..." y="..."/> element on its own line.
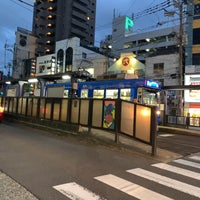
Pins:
<point x="186" y="169"/>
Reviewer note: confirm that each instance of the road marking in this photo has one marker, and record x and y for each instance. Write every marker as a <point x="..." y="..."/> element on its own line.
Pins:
<point x="166" y="135"/>
<point x="76" y="192"/>
<point x="130" y="188"/>
<point x="195" y="158"/>
<point x="178" y="170"/>
<point x="172" y="183"/>
<point x="188" y="163"/>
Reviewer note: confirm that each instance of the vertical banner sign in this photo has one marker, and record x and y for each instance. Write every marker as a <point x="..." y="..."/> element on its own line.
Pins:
<point x="109" y="115"/>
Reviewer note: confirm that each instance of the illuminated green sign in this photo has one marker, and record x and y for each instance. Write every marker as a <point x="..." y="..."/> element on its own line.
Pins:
<point x="128" y="23"/>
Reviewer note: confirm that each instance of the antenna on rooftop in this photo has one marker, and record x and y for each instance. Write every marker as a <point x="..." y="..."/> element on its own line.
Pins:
<point x="114" y="13"/>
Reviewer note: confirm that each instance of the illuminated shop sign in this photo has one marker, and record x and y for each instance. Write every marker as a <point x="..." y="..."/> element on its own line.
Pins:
<point x="152" y="84"/>
<point x="192" y="95"/>
<point x="125" y="61"/>
<point x="128" y="23"/>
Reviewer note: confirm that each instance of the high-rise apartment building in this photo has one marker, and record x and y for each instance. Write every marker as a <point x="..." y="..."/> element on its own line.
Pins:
<point x="193" y="23"/>
<point x="55" y="20"/>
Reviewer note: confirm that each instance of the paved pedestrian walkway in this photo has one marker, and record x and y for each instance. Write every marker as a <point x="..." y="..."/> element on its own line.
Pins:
<point x="131" y="145"/>
<point x="11" y="190"/>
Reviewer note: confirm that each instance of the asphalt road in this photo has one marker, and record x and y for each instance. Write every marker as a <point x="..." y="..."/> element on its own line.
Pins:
<point x="181" y="144"/>
<point x="56" y="167"/>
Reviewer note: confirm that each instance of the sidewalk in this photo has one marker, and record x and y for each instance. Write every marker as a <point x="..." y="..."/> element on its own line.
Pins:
<point x="10" y="190"/>
<point x="133" y="146"/>
<point x="191" y="130"/>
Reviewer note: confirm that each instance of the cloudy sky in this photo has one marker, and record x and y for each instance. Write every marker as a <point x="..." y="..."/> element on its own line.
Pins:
<point x="14" y="13"/>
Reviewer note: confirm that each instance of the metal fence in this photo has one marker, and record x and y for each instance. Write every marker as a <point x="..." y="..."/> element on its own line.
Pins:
<point x="182" y="121"/>
<point x="134" y="120"/>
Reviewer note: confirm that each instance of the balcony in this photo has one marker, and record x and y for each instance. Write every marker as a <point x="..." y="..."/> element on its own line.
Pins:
<point x="46" y="22"/>
<point x="45" y="31"/>
<point x="79" y="32"/>
<point x="46" y="5"/>
<point x="79" y="15"/>
<point x="43" y="41"/>
<point x="78" y="23"/>
<point x="79" y="6"/>
<point x="43" y="14"/>
<point x="82" y="2"/>
<point x="45" y="49"/>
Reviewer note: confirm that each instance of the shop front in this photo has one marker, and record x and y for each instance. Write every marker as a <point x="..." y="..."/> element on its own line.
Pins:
<point x="192" y="98"/>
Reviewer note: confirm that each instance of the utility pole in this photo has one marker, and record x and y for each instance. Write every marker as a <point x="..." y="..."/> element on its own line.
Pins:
<point x="7" y="65"/>
<point x="179" y="4"/>
<point x="180" y="42"/>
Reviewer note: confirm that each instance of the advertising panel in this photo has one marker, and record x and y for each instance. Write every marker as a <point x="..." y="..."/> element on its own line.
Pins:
<point x="192" y="95"/>
<point x="109" y="114"/>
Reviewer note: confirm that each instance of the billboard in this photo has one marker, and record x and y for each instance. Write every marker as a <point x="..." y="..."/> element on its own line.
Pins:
<point x="192" y="95"/>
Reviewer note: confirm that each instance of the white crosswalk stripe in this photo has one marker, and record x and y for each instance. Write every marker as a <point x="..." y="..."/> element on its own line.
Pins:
<point x="197" y="158"/>
<point x="188" y="163"/>
<point x="163" y="180"/>
<point x="74" y="191"/>
<point x="130" y="188"/>
<point x="178" y="170"/>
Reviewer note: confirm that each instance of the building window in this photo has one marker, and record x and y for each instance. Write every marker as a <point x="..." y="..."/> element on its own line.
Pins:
<point x="158" y="68"/>
<point x="69" y="59"/>
<point x="196" y="59"/>
<point x="197" y="10"/>
<point x="196" y="38"/>
<point x="84" y="55"/>
<point x="60" y="59"/>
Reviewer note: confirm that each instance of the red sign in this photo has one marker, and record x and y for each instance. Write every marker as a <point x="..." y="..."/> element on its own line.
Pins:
<point x="125" y="61"/>
<point x="195" y="83"/>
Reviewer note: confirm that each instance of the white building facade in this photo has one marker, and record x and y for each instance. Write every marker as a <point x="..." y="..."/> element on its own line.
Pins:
<point x="71" y="56"/>
<point x="24" y="49"/>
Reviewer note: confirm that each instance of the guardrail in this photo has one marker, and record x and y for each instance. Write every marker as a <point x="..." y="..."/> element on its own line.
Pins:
<point x="134" y="120"/>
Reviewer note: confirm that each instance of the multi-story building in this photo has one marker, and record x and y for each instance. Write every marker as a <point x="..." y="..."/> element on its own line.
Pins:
<point x="69" y="57"/>
<point x="157" y="49"/>
<point x="192" y="61"/>
<point x="24" y="54"/>
<point x="56" y="20"/>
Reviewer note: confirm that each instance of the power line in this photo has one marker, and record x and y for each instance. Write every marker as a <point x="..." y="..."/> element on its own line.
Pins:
<point x="20" y="5"/>
<point x="26" y="3"/>
<point x="153" y="9"/>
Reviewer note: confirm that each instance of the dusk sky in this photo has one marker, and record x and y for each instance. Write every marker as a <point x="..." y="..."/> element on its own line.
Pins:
<point x="14" y="13"/>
